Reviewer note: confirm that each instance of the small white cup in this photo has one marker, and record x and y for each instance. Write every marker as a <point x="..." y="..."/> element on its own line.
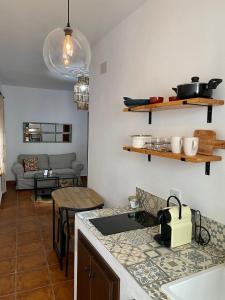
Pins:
<point x="176" y="144"/>
<point x="191" y="146"/>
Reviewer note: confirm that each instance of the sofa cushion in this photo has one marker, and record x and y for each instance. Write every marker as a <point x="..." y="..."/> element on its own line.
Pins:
<point x="30" y="174"/>
<point x="42" y="160"/>
<point x="30" y="164"/>
<point x="61" y="161"/>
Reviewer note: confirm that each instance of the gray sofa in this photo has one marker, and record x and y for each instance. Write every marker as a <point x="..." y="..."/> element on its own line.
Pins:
<point x="62" y="164"/>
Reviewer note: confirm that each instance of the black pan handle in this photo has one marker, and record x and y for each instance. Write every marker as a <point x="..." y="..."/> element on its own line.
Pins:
<point x="175" y="90"/>
<point x="213" y="83"/>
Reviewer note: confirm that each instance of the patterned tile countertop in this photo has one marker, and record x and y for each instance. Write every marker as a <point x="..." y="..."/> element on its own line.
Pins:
<point x="150" y="264"/>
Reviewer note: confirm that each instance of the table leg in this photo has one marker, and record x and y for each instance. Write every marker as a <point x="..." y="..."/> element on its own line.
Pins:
<point x="58" y="245"/>
<point x="35" y="189"/>
<point x="61" y="239"/>
<point x="53" y="222"/>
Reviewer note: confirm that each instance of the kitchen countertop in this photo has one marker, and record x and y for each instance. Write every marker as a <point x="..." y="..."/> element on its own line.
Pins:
<point x="150" y="264"/>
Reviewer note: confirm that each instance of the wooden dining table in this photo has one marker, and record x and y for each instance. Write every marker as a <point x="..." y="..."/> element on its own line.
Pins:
<point x="73" y="199"/>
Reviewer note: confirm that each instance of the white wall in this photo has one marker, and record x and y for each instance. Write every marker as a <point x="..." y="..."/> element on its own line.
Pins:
<point x="162" y="44"/>
<point x="39" y="105"/>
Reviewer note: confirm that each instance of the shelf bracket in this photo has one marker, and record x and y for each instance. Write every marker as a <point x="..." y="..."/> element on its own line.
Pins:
<point x="209" y="114"/>
<point x="207" y="168"/>
<point x="209" y="109"/>
<point x="149" y="157"/>
<point x="150" y="118"/>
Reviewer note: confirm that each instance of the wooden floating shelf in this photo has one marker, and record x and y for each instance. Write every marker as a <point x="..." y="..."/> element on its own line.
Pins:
<point x="182" y="157"/>
<point x="199" y="158"/>
<point x="178" y="104"/>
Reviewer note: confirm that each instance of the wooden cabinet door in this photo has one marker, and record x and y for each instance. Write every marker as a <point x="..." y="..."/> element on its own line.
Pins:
<point x="83" y="272"/>
<point x="95" y="279"/>
<point x="101" y="283"/>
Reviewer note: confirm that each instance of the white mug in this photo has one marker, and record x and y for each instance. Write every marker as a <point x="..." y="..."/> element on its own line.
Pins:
<point x="176" y="144"/>
<point x="191" y="146"/>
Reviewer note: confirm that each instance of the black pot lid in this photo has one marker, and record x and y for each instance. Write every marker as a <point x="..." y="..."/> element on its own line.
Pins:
<point x="194" y="81"/>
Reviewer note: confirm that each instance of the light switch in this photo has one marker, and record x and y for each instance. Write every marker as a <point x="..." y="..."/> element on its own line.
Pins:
<point x="103" y="67"/>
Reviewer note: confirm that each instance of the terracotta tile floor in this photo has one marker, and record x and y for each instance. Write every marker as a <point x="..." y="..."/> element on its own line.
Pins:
<point x="29" y="268"/>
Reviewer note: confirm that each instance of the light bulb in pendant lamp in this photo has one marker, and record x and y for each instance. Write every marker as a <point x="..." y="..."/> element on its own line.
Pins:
<point x="67" y="52"/>
<point x="68" y="46"/>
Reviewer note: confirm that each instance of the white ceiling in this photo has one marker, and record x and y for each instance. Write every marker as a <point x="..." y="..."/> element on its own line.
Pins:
<point x="24" y="24"/>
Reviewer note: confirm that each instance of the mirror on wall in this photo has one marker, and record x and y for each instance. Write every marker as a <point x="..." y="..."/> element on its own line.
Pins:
<point x="34" y="132"/>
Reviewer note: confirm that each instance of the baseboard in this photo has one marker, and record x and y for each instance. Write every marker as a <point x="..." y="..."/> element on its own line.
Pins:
<point x="13" y="182"/>
<point x="10" y="182"/>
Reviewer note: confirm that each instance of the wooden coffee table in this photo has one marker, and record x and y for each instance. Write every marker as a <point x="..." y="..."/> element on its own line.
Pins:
<point x="73" y="199"/>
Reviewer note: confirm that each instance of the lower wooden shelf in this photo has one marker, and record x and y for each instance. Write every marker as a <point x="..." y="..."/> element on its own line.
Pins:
<point x="182" y="157"/>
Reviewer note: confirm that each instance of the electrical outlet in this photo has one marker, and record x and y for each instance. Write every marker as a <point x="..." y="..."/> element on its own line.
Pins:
<point x="175" y="192"/>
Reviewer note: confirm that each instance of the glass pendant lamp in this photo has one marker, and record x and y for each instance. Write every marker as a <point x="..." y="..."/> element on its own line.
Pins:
<point x="67" y="52"/>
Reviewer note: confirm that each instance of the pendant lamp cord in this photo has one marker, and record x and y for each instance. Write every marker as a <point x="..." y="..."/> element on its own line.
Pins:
<point x="68" y="19"/>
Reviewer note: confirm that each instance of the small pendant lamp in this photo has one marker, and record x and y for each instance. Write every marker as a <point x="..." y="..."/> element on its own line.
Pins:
<point x="81" y="92"/>
<point x="67" y="52"/>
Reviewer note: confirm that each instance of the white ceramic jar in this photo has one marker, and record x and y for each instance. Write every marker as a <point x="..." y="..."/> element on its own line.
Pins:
<point x="139" y="140"/>
<point x="133" y="202"/>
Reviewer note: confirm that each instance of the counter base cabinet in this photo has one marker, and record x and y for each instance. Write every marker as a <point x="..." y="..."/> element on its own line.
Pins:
<point x="83" y="272"/>
<point x="95" y="279"/>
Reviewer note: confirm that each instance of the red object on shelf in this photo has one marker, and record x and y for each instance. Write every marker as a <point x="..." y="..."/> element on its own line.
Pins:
<point x="153" y="100"/>
<point x="173" y="98"/>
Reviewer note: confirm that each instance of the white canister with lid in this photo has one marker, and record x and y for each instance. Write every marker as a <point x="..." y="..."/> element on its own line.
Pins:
<point x="139" y="140"/>
<point x="133" y="202"/>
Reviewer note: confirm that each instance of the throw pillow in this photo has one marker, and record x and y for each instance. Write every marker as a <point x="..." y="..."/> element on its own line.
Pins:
<point x="30" y="164"/>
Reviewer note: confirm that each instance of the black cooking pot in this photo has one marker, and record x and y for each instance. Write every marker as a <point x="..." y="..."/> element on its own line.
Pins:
<point x="197" y="89"/>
